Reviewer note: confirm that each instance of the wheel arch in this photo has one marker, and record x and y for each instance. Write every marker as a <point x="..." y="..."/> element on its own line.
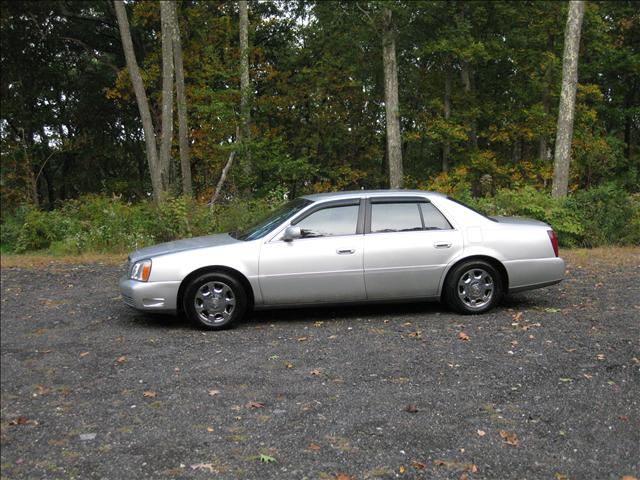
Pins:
<point x="214" y="269"/>
<point x="497" y="264"/>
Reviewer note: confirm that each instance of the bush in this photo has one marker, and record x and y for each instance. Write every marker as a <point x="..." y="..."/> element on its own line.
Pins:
<point x="532" y="203"/>
<point x="103" y="224"/>
<point x="608" y="214"/>
<point x="605" y="215"/>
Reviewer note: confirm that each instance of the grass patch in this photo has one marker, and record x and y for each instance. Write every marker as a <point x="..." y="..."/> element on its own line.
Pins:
<point x="38" y="260"/>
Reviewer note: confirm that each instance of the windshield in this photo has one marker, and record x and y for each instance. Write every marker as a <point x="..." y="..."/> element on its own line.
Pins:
<point x="266" y="225"/>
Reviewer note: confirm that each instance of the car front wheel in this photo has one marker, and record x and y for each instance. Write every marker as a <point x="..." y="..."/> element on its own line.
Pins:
<point x="214" y="301"/>
<point x="473" y="287"/>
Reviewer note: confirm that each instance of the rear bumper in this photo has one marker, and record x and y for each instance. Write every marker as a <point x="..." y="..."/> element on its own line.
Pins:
<point x="150" y="296"/>
<point x="534" y="273"/>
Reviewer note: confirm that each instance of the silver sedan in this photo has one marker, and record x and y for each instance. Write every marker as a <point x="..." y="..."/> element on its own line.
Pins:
<point x="331" y="248"/>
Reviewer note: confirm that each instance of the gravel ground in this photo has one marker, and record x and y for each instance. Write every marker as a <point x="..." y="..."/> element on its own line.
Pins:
<point x="546" y="386"/>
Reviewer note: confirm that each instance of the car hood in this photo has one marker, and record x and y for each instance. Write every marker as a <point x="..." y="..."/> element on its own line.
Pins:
<point x="182" y="245"/>
<point x="519" y="221"/>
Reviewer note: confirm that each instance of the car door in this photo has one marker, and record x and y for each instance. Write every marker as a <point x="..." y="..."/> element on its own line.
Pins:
<point x="407" y="245"/>
<point x="322" y="266"/>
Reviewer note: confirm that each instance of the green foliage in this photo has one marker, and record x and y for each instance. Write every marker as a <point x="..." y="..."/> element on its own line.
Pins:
<point x="604" y="215"/>
<point x="107" y="224"/>
<point x="532" y="203"/>
<point x="609" y="215"/>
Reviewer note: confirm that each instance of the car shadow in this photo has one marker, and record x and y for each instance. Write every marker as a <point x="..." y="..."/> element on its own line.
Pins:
<point x="345" y="312"/>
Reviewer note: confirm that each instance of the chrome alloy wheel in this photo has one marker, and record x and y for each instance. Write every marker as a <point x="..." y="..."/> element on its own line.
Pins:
<point x="214" y="303"/>
<point x="475" y="288"/>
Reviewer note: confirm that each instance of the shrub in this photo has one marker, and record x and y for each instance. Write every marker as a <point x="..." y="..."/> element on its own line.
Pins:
<point x="531" y="203"/>
<point x="608" y="214"/>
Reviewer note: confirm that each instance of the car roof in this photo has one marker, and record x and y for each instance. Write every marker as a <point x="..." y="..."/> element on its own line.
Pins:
<point x="316" y="197"/>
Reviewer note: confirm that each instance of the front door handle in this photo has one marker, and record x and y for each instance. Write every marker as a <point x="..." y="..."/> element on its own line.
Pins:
<point x="442" y="245"/>
<point x="345" y="251"/>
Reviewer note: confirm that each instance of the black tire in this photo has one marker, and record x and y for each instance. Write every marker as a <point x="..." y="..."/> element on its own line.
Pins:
<point x="214" y="301"/>
<point x="461" y="295"/>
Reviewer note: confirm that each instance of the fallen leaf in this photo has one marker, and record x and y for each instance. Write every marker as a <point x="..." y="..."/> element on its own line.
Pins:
<point x="600" y="356"/>
<point x="213" y="393"/>
<point x="314" y="447"/>
<point x="288" y="364"/>
<point x="517" y="316"/>
<point x="23" y="421"/>
<point x="472" y="468"/>
<point x="418" y="465"/>
<point x="416" y="334"/>
<point x="315" y="372"/>
<point x="254" y="405"/>
<point x="411" y="408"/>
<point x="587" y="376"/>
<point x="560" y="476"/>
<point x="402" y="469"/>
<point x="302" y="339"/>
<point x="317" y="324"/>
<point x="343" y="476"/>
<point x="463" y="336"/>
<point x="509" y="437"/>
<point x="149" y="394"/>
<point x="204" y="466"/>
<point x="121" y="359"/>
<point x="628" y="477"/>
<point x="84" y="354"/>
<point x="266" y="458"/>
<point x="481" y="433"/>
<point x="464" y="476"/>
<point x="209" y="429"/>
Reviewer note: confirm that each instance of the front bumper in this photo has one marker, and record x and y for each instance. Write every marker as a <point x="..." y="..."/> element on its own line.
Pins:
<point x="150" y="296"/>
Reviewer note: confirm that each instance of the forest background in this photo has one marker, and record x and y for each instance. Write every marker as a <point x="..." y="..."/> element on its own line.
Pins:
<point x="283" y="98"/>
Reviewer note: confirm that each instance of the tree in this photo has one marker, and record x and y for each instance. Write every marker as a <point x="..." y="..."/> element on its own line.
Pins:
<point x="392" y="106"/>
<point x="155" y="166"/>
<point x="166" y="138"/>
<point x="245" y="86"/>
<point x="181" y="101"/>
<point x="566" y="111"/>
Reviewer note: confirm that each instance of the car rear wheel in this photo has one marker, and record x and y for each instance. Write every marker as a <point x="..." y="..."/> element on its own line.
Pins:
<point x="214" y="301"/>
<point x="473" y="287"/>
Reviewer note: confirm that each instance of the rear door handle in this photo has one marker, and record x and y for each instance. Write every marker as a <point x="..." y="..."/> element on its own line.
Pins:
<point x="345" y="251"/>
<point x="442" y="245"/>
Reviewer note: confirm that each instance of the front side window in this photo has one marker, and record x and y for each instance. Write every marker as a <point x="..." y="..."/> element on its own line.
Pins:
<point x="330" y="221"/>
<point x="395" y="217"/>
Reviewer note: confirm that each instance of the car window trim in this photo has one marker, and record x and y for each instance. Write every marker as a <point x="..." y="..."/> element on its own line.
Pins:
<point x="404" y="199"/>
<point x="372" y="200"/>
<point x="316" y="206"/>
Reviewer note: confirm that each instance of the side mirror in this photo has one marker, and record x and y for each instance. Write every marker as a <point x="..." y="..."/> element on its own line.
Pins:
<point x="291" y="232"/>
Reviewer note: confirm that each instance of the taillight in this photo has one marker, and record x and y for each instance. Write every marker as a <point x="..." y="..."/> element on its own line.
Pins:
<point x="554" y="241"/>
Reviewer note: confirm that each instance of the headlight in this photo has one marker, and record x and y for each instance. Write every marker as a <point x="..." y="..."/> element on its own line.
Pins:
<point x="141" y="270"/>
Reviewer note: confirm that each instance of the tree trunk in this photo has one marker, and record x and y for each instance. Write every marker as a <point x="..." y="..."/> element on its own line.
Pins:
<point x="394" y="148"/>
<point x="181" y="101"/>
<point x="166" y="139"/>
<point x="546" y="103"/>
<point x="446" y="148"/>
<point x="245" y="87"/>
<point x="466" y="74"/>
<point x="141" y="99"/>
<point x="566" y="111"/>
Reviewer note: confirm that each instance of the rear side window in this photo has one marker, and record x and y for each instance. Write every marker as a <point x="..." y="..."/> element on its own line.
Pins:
<point x="395" y="217"/>
<point x="330" y="221"/>
<point x="433" y="219"/>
